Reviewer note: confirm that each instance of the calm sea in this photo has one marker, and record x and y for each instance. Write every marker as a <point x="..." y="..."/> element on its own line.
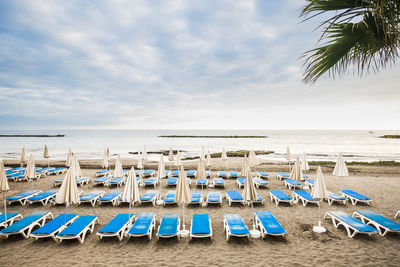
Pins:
<point x="319" y="145"/>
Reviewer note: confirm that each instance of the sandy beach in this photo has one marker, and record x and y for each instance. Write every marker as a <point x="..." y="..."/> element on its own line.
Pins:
<point x="301" y="247"/>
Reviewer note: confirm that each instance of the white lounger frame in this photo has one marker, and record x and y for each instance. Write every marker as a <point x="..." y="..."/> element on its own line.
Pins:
<point x="198" y="203"/>
<point x="278" y="200"/>
<point x="332" y="200"/>
<point x="240" y="185"/>
<point x="23" y="200"/>
<point x="93" y="200"/>
<point x="149" y="232"/>
<point x="210" y="235"/>
<point x="261" y="176"/>
<point x="153" y="200"/>
<point x="44" y="201"/>
<point x="53" y="234"/>
<point x="212" y="202"/>
<point x="102" y="183"/>
<point x="57" y="172"/>
<point x="169" y="236"/>
<point x="104" y="173"/>
<point x="120" y="233"/>
<point x="26" y="232"/>
<point x="351" y="231"/>
<point x="355" y="200"/>
<point x="297" y="197"/>
<point x="11" y="220"/>
<point x="230" y="201"/>
<point x="120" y="183"/>
<point x="214" y="185"/>
<point x="397" y="214"/>
<point x="153" y="183"/>
<point x="228" y="233"/>
<point x="82" y="234"/>
<point x="259" y="184"/>
<point x="114" y="201"/>
<point x="290" y="186"/>
<point x="382" y="230"/>
<point x="281" y="177"/>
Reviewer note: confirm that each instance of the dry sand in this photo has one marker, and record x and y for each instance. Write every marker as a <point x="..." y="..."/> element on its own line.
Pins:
<point x="301" y="247"/>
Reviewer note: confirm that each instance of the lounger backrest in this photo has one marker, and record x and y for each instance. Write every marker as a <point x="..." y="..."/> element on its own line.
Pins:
<point x="280" y="194"/>
<point x="360" y="226"/>
<point x="170" y="196"/>
<point x="201" y="224"/>
<point x="21" y="224"/>
<point x="169" y="224"/>
<point x="291" y="181"/>
<point x="172" y="180"/>
<point x="355" y="194"/>
<point x="219" y="180"/>
<point x="116" y="223"/>
<point x="102" y="179"/>
<point x="142" y="223"/>
<point x="149" y="195"/>
<point x="283" y="174"/>
<point x="336" y="196"/>
<point x="304" y="194"/>
<point x="91" y="195"/>
<point x="22" y="195"/>
<point x="150" y="180"/>
<point x="110" y="195"/>
<point x="55" y="224"/>
<point x="394" y="226"/>
<point x="78" y="225"/>
<point x="214" y="196"/>
<point x="236" y="224"/>
<point x="9" y="216"/>
<point x="269" y="222"/>
<point x="44" y="194"/>
<point x="234" y="195"/>
<point x="241" y="180"/>
<point x="196" y="196"/>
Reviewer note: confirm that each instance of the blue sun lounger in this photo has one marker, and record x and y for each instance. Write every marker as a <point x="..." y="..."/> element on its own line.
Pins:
<point x="222" y="174"/>
<point x="91" y="197"/>
<point x="43" y="197"/>
<point x="332" y="198"/>
<point x="57" y="171"/>
<point x="352" y="225"/>
<point x="197" y="198"/>
<point x="200" y="226"/>
<point x="103" y="173"/>
<point x="118" y="181"/>
<point x="170" y="198"/>
<point x="148" y="173"/>
<point x="282" y="175"/>
<point x="218" y="182"/>
<point x="151" y="181"/>
<point x="235" y="226"/>
<point x="234" y="197"/>
<point x="305" y="197"/>
<point x="397" y="214"/>
<point x="214" y="198"/>
<point x="240" y="182"/>
<point x="381" y="223"/>
<point x="117" y="226"/>
<point x="208" y="173"/>
<point x="279" y="196"/>
<point x="144" y="225"/>
<point x="191" y="173"/>
<point x="356" y="197"/>
<point x="292" y="184"/>
<point x="25" y="225"/>
<point x="102" y="180"/>
<point x="268" y="224"/>
<point x="309" y="182"/>
<point x="167" y="173"/>
<point x="80" y="181"/>
<point x="11" y="217"/>
<point x="54" y="226"/>
<point x="173" y="181"/>
<point x="201" y="182"/>
<point x="260" y="182"/>
<point x="175" y="173"/>
<point x="22" y="197"/>
<point x="169" y="226"/>
<point x="233" y="174"/>
<point x="259" y="200"/>
<point x="262" y="175"/>
<point x="110" y="197"/>
<point x="79" y="228"/>
<point x="150" y="197"/>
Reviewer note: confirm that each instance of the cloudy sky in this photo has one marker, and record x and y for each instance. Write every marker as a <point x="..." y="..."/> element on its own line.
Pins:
<point x="214" y="64"/>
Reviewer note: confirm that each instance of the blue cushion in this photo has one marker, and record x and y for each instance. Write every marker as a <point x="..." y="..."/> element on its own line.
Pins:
<point x="201" y="181"/>
<point x="78" y="225"/>
<point x="172" y="180"/>
<point x="110" y="196"/>
<point x="283" y="174"/>
<point x="234" y="195"/>
<point x="236" y="224"/>
<point x="22" y="195"/>
<point x="115" y="225"/>
<point x="90" y="195"/>
<point x="394" y="226"/>
<point x="241" y="180"/>
<point x="280" y="194"/>
<point x="269" y="222"/>
<point x="21" y="224"/>
<point x="304" y="194"/>
<point x="219" y="181"/>
<point x="142" y="223"/>
<point x="170" y="197"/>
<point x="196" y="197"/>
<point x="233" y="173"/>
<point x="102" y="179"/>
<point x="201" y="224"/>
<point x="261" y="182"/>
<point x="55" y="224"/>
<point x="355" y="195"/>
<point x="9" y="216"/>
<point x="263" y="173"/>
<point x="360" y="226"/>
<point x="214" y="197"/>
<point x="293" y="182"/>
<point x="43" y="195"/>
<point x="150" y="181"/>
<point x="116" y="180"/>
<point x="169" y="225"/>
<point x="191" y="173"/>
<point x="148" y="196"/>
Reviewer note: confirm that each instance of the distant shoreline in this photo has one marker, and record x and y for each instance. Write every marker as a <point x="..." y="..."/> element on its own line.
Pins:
<point x="391" y="136"/>
<point x="32" y="135"/>
<point x="213" y="136"/>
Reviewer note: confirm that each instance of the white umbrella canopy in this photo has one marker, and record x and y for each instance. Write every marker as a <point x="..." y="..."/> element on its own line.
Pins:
<point x="46" y="152"/>
<point x="160" y="174"/>
<point x="297" y="173"/>
<point x="253" y="160"/>
<point x="201" y="170"/>
<point x="3" y="187"/>
<point x="68" y="162"/>
<point x="183" y="194"/>
<point x="245" y="165"/>
<point x="106" y="158"/>
<point x="144" y="154"/>
<point x="171" y="154"/>
<point x="131" y="190"/>
<point x="319" y="192"/>
<point x="304" y="163"/>
<point x="22" y="157"/>
<point x="208" y="160"/>
<point x="118" y="167"/>
<point x="288" y="154"/>
<point x="250" y="194"/>
<point x="224" y="156"/>
<point x="203" y="154"/>
<point x="30" y="171"/>
<point x="340" y="169"/>
<point x="178" y="161"/>
<point x="68" y="193"/>
<point x="140" y="162"/>
<point x="77" y="172"/>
